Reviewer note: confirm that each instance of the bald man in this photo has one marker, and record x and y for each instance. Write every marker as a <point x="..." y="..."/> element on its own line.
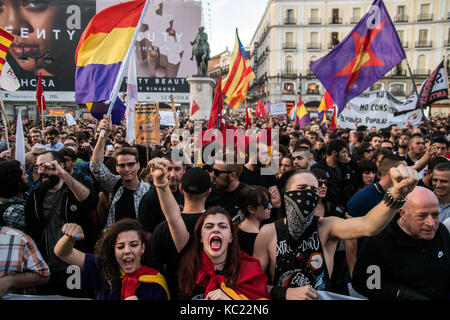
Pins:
<point x="297" y="251"/>
<point x="410" y="259"/>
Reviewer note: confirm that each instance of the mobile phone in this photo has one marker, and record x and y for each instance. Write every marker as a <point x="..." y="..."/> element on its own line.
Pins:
<point x="109" y="147"/>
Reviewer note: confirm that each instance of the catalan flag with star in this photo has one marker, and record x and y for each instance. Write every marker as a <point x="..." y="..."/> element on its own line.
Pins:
<point x="365" y="55"/>
<point x="6" y="39"/>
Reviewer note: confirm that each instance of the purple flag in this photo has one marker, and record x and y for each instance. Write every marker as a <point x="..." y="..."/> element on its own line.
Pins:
<point x="364" y="56"/>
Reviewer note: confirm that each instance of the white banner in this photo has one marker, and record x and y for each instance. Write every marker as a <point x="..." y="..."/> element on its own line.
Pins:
<point x="166" y="118"/>
<point x="376" y="108"/>
<point x="278" y="108"/>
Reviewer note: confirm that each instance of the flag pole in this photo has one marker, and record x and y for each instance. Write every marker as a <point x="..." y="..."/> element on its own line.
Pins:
<point x="114" y="93"/>
<point x="4" y="114"/>
<point x="174" y="112"/>
<point x="42" y="112"/>
<point x="418" y="99"/>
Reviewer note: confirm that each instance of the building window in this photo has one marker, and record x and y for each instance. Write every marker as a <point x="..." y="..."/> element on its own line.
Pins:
<point x="334" y="40"/>
<point x="335" y="19"/>
<point x="313" y="88"/>
<point x="401" y="14"/>
<point x="290" y="43"/>
<point x="289" y="65"/>
<point x="421" y="65"/>
<point x="288" y="88"/>
<point x="425" y="14"/>
<point x="356" y="16"/>
<point x="423" y="39"/>
<point x="397" y="89"/>
<point x="314" y="18"/>
<point x="290" y="19"/>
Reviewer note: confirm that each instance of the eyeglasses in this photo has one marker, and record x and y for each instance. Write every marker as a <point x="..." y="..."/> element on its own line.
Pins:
<point x="265" y="204"/>
<point x="217" y="171"/>
<point x="123" y="165"/>
<point x="370" y="150"/>
<point x="323" y="183"/>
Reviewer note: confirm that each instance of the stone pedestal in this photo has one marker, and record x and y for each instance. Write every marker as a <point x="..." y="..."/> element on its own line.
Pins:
<point x="201" y="90"/>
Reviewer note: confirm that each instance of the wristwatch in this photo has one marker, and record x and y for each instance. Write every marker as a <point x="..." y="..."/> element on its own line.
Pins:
<point x="392" y="202"/>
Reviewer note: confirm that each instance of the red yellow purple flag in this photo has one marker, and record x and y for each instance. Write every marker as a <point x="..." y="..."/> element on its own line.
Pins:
<point x="361" y="58"/>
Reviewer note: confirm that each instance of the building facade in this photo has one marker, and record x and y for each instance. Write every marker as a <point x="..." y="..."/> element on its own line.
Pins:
<point x="292" y="34"/>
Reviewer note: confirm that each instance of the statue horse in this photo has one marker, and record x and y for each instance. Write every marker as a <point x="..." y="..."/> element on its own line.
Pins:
<point x="201" y="53"/>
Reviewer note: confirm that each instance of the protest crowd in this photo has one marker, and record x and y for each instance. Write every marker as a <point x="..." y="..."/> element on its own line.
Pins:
<point x="142" y="224"/>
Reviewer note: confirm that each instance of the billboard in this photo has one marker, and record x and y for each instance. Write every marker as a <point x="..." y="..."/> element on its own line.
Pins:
<point x="163" y="49"/>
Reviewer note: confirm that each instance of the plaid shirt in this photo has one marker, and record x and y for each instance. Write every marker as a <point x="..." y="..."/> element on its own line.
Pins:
<point x="18" y="253"/>
<point x="14" y="215"/>
<point x="107" y="181"/>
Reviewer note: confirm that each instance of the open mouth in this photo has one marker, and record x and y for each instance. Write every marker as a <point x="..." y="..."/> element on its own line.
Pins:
<point x="215" y="243"/>
<point x="128" y="263"/>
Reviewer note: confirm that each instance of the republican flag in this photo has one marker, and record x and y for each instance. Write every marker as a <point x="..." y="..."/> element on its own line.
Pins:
<point x="302" y="114"/>
<point x="323" y="122"/>
<point x="326" y="103"/>
<point x="104" y="50"/>
<point x="248" y="117"/>
<point x="236" y="84"/>
<point x="6" y="39"/>
<point x="361" y="58"/>
<point x="100" y="108"/>
<point x="40" y="99"/>
<point x="132" y="98"/>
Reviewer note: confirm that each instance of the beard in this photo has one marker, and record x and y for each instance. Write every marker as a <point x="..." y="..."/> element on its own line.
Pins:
<point x="50" y="182"/>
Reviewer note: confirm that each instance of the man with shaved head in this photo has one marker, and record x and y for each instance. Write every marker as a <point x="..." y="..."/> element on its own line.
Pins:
<point x="411" y="255"/>
<point x="297" y="251"/>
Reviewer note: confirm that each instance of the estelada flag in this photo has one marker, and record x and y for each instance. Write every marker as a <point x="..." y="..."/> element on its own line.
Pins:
<point x="370" y="50"/>
<point x="6" y="39"/>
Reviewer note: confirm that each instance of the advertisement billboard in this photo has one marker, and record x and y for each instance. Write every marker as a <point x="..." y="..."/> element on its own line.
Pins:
<point x="163" y="49"/>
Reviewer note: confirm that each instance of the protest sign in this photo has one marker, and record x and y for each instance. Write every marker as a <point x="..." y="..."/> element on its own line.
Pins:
<point x="278" y="108"/>
<point x="146" y="116"/>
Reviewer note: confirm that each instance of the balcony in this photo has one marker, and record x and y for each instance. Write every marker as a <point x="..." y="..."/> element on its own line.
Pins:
<point x="314" y="45"/>
<point x="401" y="18"/>
<point x="397" y="92"/>
<point x="354" y="20"/>
<point x="331" y="45"/>
<point x="421" y="72"/>
<point x="405" y="44"/>
<point x="335" y="20"/>
<point x="425" y="17"/>
<point x="289" y="21"/>
<point x="398" y="73"/>
<point x="424" y="44"/>
<point x="289" y="45"/>
<point x="289" y="73"/>
<point x="315" y="20"/>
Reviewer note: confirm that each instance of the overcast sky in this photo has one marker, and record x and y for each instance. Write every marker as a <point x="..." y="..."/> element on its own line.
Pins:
<point x="226" y="16"/>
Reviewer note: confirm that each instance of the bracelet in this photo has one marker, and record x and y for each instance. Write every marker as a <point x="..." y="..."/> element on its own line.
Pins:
<point x="278" y="293"/>
<point x="393" y="203"/>
<point x="161" y="186"/>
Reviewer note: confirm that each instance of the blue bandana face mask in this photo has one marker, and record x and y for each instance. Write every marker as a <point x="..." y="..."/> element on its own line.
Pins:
<point x="300" y="205"/>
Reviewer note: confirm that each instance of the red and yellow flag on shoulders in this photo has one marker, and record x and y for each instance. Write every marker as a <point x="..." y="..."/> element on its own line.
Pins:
<point x="236" y="84"/>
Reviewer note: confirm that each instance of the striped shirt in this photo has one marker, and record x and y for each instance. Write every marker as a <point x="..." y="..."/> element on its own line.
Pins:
<point x="18" y="253"/>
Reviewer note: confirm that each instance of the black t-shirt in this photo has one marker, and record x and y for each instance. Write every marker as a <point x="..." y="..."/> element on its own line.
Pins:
<point x="125" y="205"/>
<point x="254" y="178"/>
<point x="164" y="254"/>
<point x="246" y="241"/>
<point x="227" y="200"/>
<point x="150" y="212"/>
